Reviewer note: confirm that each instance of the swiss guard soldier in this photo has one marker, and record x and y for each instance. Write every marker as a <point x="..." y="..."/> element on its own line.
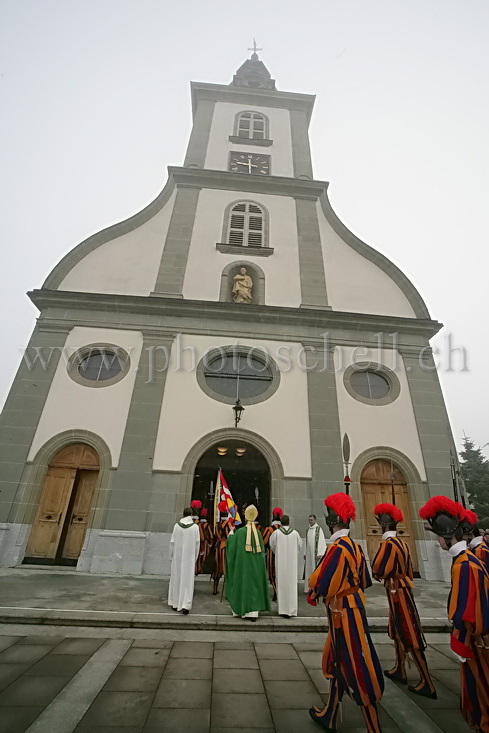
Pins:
<point x="472" y="535"/>
<point x="340" y="580"/>
<point x="468" y="609"/>
<point x="267" y="533"/>
<point x="392" y="564"/>
<point x="223" y="528"/>
<point x="206" y="540"/>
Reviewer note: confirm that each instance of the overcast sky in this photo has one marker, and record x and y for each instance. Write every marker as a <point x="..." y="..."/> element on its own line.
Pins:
<point x="96" y="105"/>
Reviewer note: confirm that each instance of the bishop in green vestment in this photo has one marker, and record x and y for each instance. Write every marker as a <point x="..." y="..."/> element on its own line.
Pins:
<point x="246" y="574"/>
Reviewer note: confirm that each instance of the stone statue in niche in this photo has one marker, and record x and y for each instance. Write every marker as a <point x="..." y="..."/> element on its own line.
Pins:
<point x="242" y="287"/>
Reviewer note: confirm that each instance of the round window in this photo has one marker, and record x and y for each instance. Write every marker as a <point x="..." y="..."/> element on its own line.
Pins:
<point x="238" y="375"/>
<point x="240" y="372"/>
<point x="100" y="365"/>
<point x="371" y="385"/>
<point x="97" y="365"/>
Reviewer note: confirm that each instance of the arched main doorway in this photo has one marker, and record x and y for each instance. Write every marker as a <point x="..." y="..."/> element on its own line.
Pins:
<point x="245" y="470"/>
<point x="61" y="521"/>
<point x="381" y="480"/>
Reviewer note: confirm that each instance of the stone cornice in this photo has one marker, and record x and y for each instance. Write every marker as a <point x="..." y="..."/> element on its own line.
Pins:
<point x="194" y="316"/>
<point x="251" y="97"/>
<point x="226" y="180"/>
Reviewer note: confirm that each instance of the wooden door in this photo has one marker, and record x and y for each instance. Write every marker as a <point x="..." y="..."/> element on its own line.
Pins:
<point x="51" y="513"/>
<point x="60" y="525"/>
<point x="75" y="525"/>
<point x="378" y="480"/>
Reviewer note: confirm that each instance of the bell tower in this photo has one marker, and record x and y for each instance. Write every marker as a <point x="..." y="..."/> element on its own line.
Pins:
<point x="251" y="117"/>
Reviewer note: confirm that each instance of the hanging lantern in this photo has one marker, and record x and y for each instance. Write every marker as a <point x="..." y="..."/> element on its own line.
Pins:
<point x="238" y="410"/>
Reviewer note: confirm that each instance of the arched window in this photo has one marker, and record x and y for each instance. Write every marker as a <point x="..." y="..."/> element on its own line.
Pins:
<point x="252" y="125"/>
<point x="246" y="225"/>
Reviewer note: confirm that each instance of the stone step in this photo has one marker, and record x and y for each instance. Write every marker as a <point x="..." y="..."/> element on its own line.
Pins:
<point x="125" y="619"/>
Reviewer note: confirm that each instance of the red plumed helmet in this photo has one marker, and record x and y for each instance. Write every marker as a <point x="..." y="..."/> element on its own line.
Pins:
<point x="195" y="504"/>
<point x="342" y="505"/>
<point x="203" y="513"/>
<point x="470" y="516"/>
<point x="439" y="505"/>
<point x="390" y="509"/>
<point x="277" y="512"/>
<point x="444" y="516"/>
<point x="223" y="506"/>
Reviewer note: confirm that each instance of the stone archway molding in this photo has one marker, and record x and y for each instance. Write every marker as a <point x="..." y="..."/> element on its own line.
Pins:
<point x="207" y="441"/>
<point x="415" y="485"/>
<point x="36" y="469"/>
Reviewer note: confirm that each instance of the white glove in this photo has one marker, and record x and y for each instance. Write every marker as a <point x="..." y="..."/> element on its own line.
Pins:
<point x="460" y="659"/>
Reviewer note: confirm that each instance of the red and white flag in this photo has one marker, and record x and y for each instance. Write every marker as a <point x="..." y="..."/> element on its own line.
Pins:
<point x="223" y="494"/>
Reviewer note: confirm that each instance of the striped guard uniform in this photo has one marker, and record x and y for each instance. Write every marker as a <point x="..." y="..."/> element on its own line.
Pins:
<point x="468" y="610"/>
<point x="206" y="541"/>
<point x="349" y="658"/>
<point x="223" y="528"/>
<point x="481" y="550"/>
<point x="393" y="565"/>
<point x="269" y="555"/>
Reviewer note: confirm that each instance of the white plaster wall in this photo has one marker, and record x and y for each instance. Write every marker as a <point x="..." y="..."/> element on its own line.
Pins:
<point x="354" y="283"/>
<point x="222" y="127"/>
<point x="188" y="414"/>
<point x="101" y="410"/>
<point x="205" y="263"/>
<point x="390" y="425"/>
<point x="126" y="265"/>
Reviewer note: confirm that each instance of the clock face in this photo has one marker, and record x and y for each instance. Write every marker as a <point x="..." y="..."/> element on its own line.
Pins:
<point x="250" y="163"/>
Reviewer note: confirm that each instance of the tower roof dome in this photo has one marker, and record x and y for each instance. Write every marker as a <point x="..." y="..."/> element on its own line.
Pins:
<point x="254" y="74"/>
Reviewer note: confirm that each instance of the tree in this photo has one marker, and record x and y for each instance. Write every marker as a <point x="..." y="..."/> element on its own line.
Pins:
<point x="475" y="473"/>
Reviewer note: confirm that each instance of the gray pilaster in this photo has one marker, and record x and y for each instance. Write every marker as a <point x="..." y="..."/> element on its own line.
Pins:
<point x="431" y="419"/>
<point x="311" y="263"/>
<point x="130" y="489"/>
<point x="324" y="427"/>
<point x="175" y="253"/>
<point x="199" y="137"/>
<point x="24" y="406"/>
<point x="301" y="152"/>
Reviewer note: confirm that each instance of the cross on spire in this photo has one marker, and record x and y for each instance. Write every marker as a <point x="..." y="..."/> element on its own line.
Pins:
<point x="255" y="48"/>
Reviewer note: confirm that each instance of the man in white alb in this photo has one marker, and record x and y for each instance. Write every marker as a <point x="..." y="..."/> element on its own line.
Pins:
<point x="184" y="551"/>
<point x="315" y="549"/>
<point x="286" y="544"/>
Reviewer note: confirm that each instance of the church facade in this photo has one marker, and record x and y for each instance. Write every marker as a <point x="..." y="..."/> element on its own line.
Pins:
<point x="237" y="287"/>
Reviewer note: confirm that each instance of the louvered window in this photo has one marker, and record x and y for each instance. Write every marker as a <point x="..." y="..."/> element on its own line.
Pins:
<point x="252" y="125"/>
<point x="247" y="225"/>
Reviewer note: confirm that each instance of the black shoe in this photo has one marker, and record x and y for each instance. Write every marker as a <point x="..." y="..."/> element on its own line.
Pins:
<point x="423" y="691"/>
<point x="396" y="677"/>
<point x="274" y="597"/>
<point x="253" y="618"/>
<point x="175" y="609"/>
<point x="185" y="611"/>
<point x="317" y="720"/>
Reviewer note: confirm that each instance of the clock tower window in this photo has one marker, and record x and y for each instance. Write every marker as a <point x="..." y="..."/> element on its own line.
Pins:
<point x="251" y="125"/>
<point x="246" y="225"/>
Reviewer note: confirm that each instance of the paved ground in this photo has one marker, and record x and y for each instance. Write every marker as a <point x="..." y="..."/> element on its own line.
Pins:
<point x="187" y="673"/>
<point x="65" y="594"/>
<point x="99" y="680"/>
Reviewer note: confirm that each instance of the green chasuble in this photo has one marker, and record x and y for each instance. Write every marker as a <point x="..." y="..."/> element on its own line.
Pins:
<point x="246" y="575"/>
